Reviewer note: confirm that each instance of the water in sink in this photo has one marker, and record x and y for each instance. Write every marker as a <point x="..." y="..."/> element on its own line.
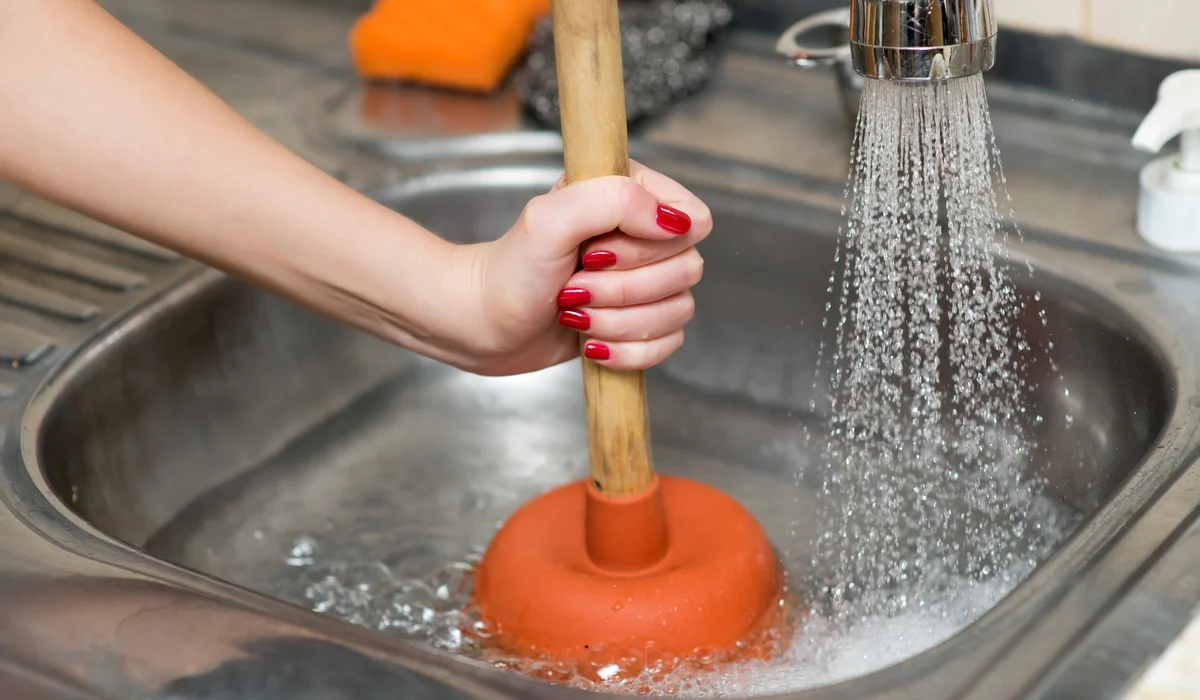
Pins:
<point x="377" y="515"/>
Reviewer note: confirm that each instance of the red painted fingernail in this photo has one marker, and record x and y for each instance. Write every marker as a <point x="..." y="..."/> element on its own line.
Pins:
<point x="596" y="351"/>
<point x="573" y="296"/>
<point x="599" y="259"/>
<point x="673" y="220"/>
<point x="575" y="319"/>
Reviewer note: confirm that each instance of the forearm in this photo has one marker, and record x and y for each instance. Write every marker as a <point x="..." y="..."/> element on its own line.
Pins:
<point x="94" y="119"/>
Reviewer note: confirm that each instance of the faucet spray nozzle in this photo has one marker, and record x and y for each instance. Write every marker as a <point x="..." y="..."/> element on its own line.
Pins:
<point x="922" y="40"/>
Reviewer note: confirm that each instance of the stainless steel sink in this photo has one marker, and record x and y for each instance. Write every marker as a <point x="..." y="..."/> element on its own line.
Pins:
<point x="201" y="436"/>
<point x="167" y="435"/>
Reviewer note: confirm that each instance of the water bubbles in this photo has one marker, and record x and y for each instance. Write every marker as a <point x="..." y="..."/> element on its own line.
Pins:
<point x="452" y="582"/>
<point x="302" y="551"/>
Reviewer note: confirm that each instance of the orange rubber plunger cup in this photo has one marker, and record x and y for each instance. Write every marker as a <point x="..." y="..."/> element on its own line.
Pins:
<point x="681" y="566"/>
<point x="627" y="559"/>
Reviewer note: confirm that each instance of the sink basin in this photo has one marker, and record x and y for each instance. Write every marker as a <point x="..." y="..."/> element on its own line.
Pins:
<point x="248" y="441"/>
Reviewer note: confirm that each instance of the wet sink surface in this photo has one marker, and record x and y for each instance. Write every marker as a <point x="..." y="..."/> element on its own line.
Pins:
<point x="246" y="439"/>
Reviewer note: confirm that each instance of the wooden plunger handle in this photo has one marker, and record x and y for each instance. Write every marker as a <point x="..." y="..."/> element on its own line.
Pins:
<point x="591" y="94"/>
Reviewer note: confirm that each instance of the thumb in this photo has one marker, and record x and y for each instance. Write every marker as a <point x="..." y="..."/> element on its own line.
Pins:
<point x="562" y="220"/>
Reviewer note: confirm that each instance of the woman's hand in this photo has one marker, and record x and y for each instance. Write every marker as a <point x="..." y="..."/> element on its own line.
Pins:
<point x="250" y="207"/>
<point x="631" y="299"/>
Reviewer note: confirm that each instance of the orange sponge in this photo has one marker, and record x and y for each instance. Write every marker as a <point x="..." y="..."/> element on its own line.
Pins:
<point x="463" y="44"/>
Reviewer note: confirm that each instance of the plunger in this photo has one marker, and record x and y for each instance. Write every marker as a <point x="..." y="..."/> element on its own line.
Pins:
<point x="627" y="558"/>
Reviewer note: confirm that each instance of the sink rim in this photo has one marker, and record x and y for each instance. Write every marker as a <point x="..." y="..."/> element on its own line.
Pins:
<point x="69" y="369"/>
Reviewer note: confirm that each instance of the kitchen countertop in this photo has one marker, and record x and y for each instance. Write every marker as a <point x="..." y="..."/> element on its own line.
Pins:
<point x="271" y="60"/>
<point x="1176" y="674"/>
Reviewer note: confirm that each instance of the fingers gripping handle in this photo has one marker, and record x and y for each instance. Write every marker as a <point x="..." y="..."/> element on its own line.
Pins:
<point x="587" y="48"/>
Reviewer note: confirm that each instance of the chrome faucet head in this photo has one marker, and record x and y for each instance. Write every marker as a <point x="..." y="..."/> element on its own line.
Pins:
<point x="913" y="41"/>
<point x="922" y="40"/>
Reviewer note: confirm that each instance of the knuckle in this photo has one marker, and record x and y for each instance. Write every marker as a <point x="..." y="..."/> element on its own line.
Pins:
<point x="621" y="294"/>
<point x="675" y="344"/>
<point x="687" y="306"/>
<point x="537" y="214"/>
<point x="694" y="271"/>
<point x="625" y="194"/>
<point x="635" y="356"/>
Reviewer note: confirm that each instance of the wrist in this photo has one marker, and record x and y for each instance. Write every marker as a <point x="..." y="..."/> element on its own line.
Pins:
<point x="411" y="288"/>
<point x="465" y="322"/>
